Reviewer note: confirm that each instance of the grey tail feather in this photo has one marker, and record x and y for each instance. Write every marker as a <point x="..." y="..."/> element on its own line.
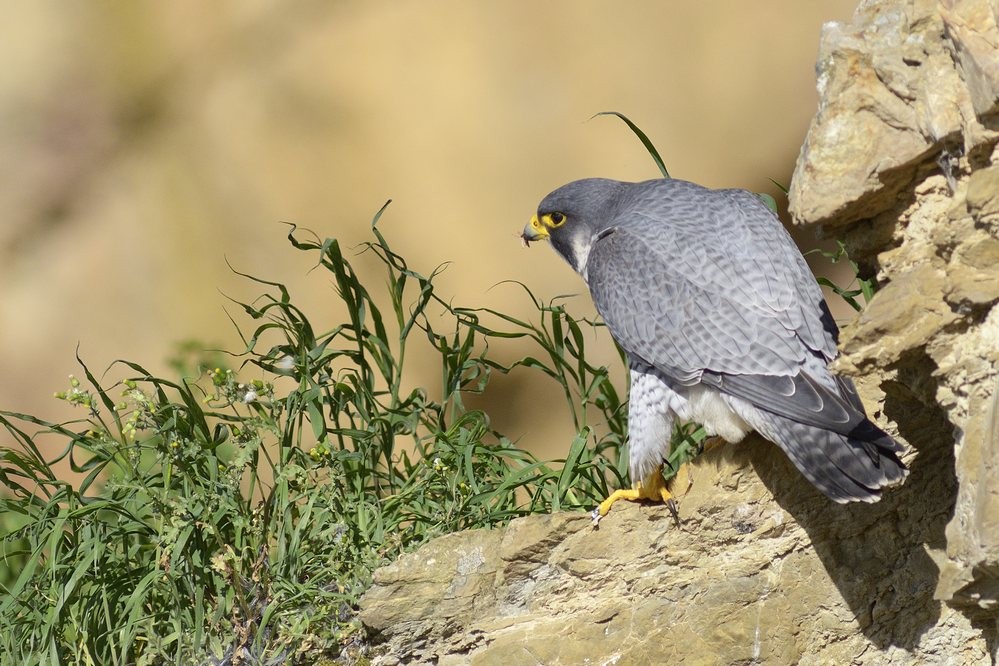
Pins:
<point x="846" y="468"/>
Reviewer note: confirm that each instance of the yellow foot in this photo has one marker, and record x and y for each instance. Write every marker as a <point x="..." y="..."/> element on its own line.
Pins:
<point x="653" y="488"/>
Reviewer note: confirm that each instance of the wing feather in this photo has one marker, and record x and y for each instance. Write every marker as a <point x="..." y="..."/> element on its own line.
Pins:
<point x="708" y="286"/>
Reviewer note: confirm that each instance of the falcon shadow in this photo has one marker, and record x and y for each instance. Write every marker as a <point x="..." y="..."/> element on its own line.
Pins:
<point x="875" y="554"/>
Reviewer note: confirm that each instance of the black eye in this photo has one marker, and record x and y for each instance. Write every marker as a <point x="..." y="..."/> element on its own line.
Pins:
<point x="557" y="218"/>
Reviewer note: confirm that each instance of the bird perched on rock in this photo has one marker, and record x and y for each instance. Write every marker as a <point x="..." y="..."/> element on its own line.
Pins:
<point x="723" y="324"/>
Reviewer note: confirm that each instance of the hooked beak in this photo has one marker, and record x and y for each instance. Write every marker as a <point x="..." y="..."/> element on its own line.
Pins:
<point x="533" y="231"/>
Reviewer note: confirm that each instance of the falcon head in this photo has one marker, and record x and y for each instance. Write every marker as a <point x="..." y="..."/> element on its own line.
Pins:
<point x="574" y="215"/>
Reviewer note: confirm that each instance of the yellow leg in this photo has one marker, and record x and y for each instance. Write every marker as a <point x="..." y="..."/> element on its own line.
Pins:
<point x="652" y="488"/>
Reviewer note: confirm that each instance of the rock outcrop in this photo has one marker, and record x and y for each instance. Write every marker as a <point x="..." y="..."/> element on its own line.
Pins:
<point x="901" y="164"/>
<point x="763" y="570"/>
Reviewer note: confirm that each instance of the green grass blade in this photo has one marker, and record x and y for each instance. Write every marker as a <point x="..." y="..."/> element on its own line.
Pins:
<point x="649" y="146"/>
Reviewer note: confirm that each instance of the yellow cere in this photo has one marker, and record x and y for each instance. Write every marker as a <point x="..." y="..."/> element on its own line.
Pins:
<point x="538" y="227"/>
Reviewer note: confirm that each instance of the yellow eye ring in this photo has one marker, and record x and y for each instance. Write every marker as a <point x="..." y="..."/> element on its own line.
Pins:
<point x="553" y="220"/>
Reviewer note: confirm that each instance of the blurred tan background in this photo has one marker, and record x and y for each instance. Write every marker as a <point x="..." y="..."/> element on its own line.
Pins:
<point x="142" y="144"/>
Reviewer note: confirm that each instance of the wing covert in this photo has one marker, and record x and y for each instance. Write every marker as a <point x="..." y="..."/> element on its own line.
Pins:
<point x="691" y="279"/>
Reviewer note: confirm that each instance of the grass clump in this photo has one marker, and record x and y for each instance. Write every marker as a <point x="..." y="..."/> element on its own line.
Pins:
<point x="236" y="516"/>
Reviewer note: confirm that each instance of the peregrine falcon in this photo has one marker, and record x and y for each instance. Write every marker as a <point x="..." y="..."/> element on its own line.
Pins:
<point x="723" y="324"/>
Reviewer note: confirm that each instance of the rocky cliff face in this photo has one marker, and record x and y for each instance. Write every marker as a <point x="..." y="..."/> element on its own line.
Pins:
<point x="901" y="164"/>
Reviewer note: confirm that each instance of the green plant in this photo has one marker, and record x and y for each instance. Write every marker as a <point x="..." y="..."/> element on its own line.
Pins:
<point x="237" y="515"/>
<point x="646" y="141"/>
<point x="857" y="287"/>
